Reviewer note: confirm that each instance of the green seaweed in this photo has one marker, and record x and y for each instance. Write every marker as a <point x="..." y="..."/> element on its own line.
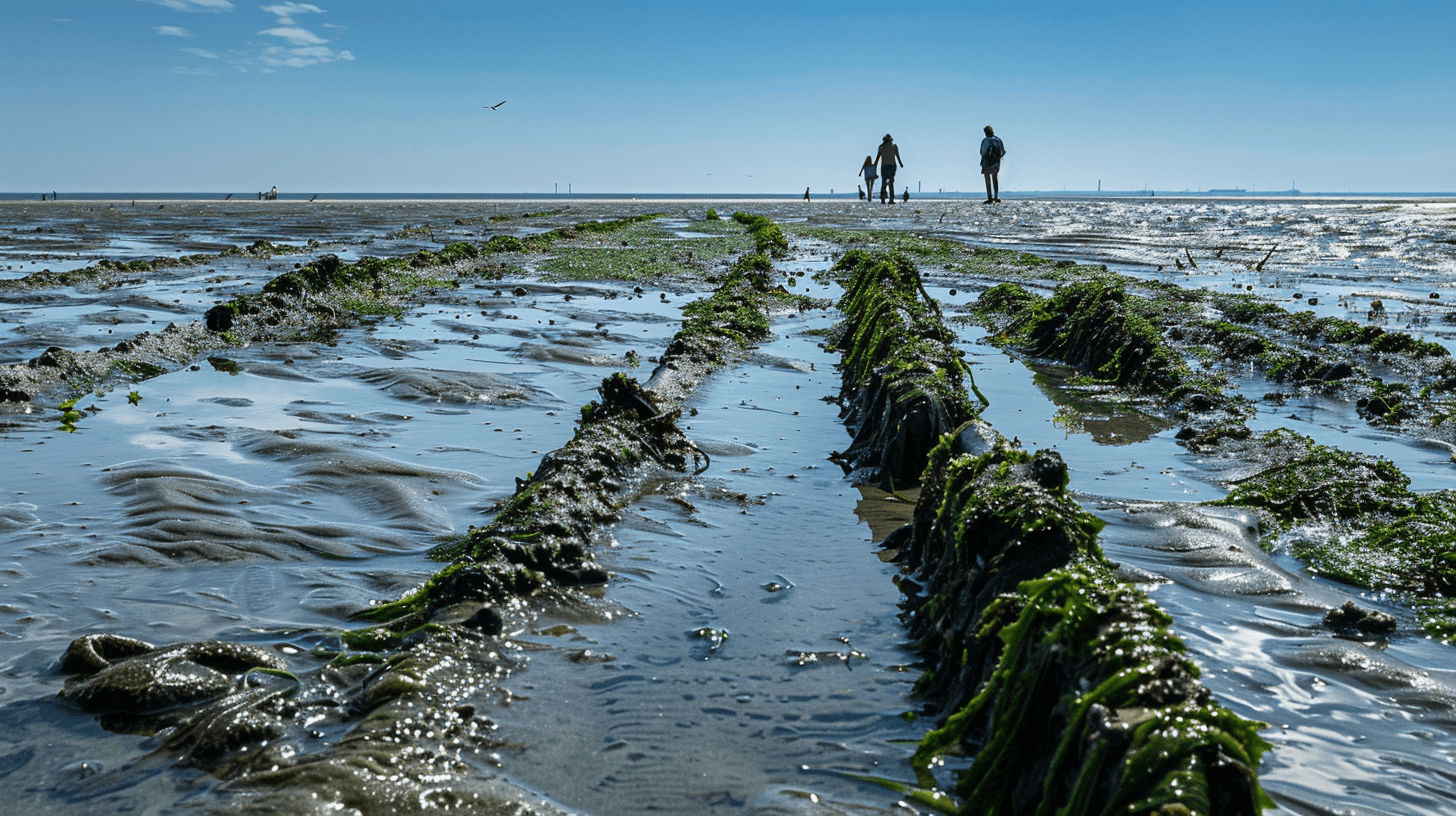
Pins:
<point x="938" y="251"/>
<point x="1376" y="532"/>
<point x="767" y="236"/>
<point x="138" y="368"/>
<point x="900" y="360"/>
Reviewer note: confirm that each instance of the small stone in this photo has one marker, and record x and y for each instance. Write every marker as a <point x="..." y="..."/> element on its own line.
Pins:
<point x="487" y="620"/>
<point x="1369" y="622"/>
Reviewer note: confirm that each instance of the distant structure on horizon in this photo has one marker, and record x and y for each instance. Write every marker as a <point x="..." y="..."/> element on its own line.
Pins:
<point x="1242" y="191"/>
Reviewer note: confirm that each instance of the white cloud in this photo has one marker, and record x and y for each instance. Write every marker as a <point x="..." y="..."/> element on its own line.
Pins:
<point x="285" y="11"/>
<point x="295" y="36"/>
<point x="304" y="48"/>
<point x="173" y="31"/>
<point x="280" y="57"/>
<point x="194" y="5"/>
<point x="201" y="52"/>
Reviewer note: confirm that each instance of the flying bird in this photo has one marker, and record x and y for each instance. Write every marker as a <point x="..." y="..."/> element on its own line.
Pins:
<point x="496" y="105"/>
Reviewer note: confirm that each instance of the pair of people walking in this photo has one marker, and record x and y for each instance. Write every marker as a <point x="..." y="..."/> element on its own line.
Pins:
<point x="887" y="158"/>
<point x="992" y="149"/>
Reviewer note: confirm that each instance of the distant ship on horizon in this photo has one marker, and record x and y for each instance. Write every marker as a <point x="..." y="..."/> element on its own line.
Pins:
<point x="1242" y="191"/>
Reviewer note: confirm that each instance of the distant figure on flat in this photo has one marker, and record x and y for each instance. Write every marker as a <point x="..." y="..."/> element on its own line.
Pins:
<point x="888" y="157"/>
<point x="860" y="189"/>
<point x="906" y="197"/>
<point x="991" y="152"/>
<point x="868" y="171"/>
<point x="806" y="193"/>
<point x="272" y="195"/>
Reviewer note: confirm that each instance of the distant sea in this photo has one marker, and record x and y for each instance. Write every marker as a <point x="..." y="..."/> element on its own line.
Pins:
<point x="628" y="196"/>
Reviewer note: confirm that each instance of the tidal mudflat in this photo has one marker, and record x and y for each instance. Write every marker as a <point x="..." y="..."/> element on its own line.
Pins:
<point x="216" y="435"/>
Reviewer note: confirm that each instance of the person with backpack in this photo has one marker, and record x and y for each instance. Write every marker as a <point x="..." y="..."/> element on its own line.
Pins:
<point x="991" y="152"/>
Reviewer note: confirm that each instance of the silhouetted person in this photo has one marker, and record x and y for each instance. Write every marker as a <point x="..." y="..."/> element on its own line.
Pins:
<point x="991" y="152"/>
<point x="868" y="171"/>
<point x="888" y="157"/>
<point x="806" y="193"/>
<point x="907" y="195"/>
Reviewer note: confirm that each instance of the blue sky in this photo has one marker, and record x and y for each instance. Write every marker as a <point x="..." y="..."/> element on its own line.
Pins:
<point x="367" y="95"/>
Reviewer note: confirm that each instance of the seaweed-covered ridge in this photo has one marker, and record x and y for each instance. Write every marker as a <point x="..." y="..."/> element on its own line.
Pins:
<point x="1065" y="684"/>
<point x="903" y="380"/>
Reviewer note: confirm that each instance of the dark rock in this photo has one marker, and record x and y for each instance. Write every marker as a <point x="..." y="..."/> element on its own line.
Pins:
<point x="1351" y="617"/>
<point x="974" y="438"/>
<point x="1048" y="470"/>
<point x="487" y="619"/>
<point x="220" y="318"/>
<point x="124" y="674"/>
<point x="1337" y="371"/>
<point x="53" y="357"/>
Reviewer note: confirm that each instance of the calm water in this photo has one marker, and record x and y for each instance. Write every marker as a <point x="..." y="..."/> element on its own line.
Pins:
<point x="313" y="481"/>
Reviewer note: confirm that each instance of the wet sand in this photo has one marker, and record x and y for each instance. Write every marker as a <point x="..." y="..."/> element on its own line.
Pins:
<point x="270" y="504"/>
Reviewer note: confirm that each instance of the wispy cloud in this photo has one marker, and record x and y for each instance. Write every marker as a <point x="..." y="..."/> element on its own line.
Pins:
<point x="280" y="57"/>
<point x="290" y="44"/>
<point x="304" y="48"/>
<point x="295" y="36"/>
<point x="285" y="11"/>
<point x="194" y="5"/>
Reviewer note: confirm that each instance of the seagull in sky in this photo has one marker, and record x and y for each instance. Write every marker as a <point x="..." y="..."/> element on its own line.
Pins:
<point x="496" y="105"/>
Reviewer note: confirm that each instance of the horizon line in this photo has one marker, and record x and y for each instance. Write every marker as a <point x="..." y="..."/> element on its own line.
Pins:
<point x="357" y="195"/>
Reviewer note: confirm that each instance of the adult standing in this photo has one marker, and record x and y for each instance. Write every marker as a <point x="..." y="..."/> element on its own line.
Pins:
<point x="991" y="152"/>
<point x="868" y="171"/>
<point x="888" y="157"/>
